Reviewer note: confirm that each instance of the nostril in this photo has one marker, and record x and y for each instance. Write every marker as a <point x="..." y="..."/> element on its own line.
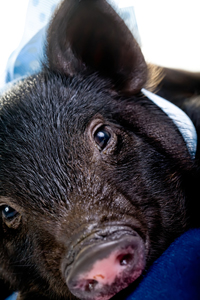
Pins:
<point x="100" y="271"/>
<point x="90" y="285"/>
<point x="125" y="259"/>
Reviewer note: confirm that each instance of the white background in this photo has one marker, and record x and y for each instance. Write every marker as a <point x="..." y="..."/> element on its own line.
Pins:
<point x="169" y="30"/>
<point x="12" y="20"/>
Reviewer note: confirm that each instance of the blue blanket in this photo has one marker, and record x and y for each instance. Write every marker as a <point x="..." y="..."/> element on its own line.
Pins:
<point x="176" y="274"/>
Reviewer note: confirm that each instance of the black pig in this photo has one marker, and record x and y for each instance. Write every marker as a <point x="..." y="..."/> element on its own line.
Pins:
<point x="95" y="180"/>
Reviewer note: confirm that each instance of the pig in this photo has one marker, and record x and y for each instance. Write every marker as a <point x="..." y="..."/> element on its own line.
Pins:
<point x="96" y="180"/>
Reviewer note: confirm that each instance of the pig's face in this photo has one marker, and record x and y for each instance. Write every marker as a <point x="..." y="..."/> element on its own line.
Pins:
<point x="93" y="175"/>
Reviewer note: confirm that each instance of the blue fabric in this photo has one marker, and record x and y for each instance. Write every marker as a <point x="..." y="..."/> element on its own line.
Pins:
<point x="12" y="297"/>
<point x="176" y="274"/>
<point x="26" y="59"/>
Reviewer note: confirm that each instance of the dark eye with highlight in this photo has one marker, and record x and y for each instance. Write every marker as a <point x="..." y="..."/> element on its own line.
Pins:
<point x="10" y="217"/>
<point x="102" y="137"/>
<point x="8" y="212"/>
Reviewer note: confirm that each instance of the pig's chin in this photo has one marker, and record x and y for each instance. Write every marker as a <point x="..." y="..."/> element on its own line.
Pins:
<point x="101" y="270"/>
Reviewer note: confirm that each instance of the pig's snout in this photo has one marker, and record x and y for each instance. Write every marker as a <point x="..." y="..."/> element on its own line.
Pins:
<point x="100" y="271"/>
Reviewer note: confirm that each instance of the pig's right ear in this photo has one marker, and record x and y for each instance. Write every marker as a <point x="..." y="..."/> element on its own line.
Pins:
<point x="89" y="35"/>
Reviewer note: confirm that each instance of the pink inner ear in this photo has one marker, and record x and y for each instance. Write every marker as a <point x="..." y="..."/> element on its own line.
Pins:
<point x="90" y="35"/>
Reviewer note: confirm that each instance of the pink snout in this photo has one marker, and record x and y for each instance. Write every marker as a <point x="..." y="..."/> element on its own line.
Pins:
<point x="100" y="271"/>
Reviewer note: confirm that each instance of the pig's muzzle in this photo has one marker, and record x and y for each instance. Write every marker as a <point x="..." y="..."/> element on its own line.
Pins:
<point x="101" y="270"/>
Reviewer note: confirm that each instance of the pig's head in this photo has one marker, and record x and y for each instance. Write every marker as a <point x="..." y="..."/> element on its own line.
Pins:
<point x="93" y="176"/>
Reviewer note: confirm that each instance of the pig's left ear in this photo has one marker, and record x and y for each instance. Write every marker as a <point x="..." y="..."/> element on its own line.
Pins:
<point x="89" y="35"/>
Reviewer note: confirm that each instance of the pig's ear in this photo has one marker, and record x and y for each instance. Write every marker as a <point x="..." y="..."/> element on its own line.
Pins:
<point x="89" y="35"/>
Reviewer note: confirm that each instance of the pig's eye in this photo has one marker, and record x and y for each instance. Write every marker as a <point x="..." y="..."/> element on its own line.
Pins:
<point x="102" y="137"/>
<point x="10" y="216"/>
<point x="8" y="212"/>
